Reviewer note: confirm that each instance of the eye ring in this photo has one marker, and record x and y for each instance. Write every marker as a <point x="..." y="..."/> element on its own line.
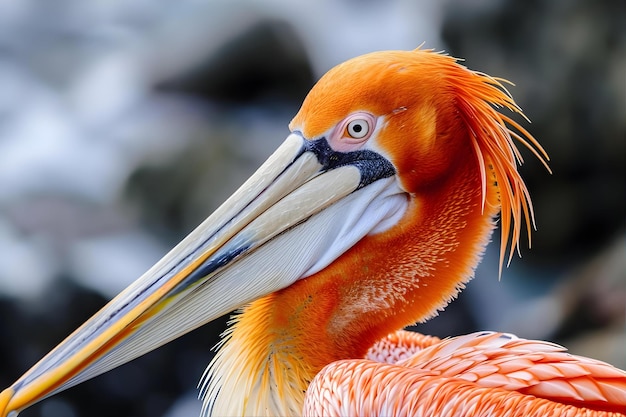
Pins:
<point x="358" y="128"/>
<point x="352" y="132"/>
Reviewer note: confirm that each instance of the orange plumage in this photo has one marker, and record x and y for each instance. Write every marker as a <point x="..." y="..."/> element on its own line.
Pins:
<point x="490" y="374"/>
<point x="405" y="156"/>
<point x="456" y="159"/>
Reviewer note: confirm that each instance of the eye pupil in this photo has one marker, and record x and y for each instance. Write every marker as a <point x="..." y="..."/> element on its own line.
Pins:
<point x="358" y="128"/>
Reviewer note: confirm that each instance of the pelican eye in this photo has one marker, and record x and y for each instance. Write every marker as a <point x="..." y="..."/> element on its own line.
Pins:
<point x="352" y="132"/>
<point x="358" y="128"/>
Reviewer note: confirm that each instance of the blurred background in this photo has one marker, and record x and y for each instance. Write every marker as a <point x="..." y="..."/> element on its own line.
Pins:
<point x="123" y="124"/>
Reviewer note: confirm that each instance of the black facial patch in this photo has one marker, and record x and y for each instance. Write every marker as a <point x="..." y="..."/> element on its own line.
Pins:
<point x="372" y="165"/>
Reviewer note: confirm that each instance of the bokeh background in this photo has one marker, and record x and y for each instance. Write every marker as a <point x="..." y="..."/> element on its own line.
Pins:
<point x="123" y="124"/>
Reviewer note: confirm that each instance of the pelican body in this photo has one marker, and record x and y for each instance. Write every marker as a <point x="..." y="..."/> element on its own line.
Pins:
<point x="371" y="216"/>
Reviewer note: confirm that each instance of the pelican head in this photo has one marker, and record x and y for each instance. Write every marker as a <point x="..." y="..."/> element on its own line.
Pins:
<point x="371" y="215"/>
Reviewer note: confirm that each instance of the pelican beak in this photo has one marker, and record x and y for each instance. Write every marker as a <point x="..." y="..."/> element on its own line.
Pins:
<point x="288" y="221"/>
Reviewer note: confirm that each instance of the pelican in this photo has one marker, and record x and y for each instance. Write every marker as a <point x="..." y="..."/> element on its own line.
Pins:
<point x="372" y="215"/>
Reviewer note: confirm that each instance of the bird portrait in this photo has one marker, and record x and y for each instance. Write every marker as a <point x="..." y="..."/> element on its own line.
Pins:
<point x="372" y="215"/>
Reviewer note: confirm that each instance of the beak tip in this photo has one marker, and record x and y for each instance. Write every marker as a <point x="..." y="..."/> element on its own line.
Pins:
<point x="5" y="398"/>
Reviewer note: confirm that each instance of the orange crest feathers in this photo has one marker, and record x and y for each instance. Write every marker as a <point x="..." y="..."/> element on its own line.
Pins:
<point x="479" y="96"/>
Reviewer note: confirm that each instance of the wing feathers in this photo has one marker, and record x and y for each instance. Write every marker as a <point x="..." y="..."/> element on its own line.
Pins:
<point x="480" y="374"/>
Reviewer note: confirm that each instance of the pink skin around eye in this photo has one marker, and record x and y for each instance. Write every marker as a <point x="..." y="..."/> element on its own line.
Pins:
<point x="341" y="141"/>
